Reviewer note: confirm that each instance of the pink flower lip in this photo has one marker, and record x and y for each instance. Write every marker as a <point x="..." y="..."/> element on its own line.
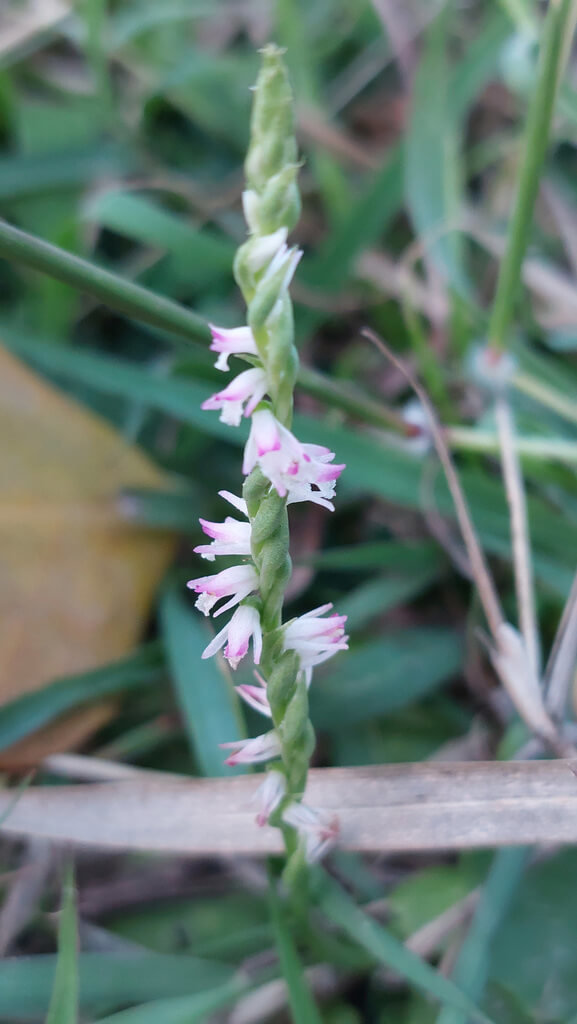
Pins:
<point x="253" y="751"/>
<point x="211" y="529"/>
<point x="255" y="696"/>
<point x="238" y="651"/>
<point x="330" y="473"/>
<point x="208" y="588"/>
<point x="263" y="449"/>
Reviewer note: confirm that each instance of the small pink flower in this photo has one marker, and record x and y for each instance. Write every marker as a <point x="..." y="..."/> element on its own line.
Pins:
<point x="238" y="503"/>
<point x="230" y="537"/>
<point x="316" y="639"/>
<point x="269" y="795"/>
<point x="255" y="696"/>
<point x="261" y="748"/>
<point x="318" y="831"/>
<point x="244" y="392"/>
<point x="237" y="583"/>
<point x="244" y="625"/>
<point x="302" y="472"/>
<point x="231" y="341"/>
<point x="316" y="471"/>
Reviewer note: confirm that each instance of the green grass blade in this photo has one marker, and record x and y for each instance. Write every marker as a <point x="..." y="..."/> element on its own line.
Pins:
<point x="386" y="949"/>
<point x="301" y="1001"/>
<point x="554" y="37"/>
<point x="34" y="710"/>
<point x="183" y="1009"/>
<point x="108" y="981"/>
<point x="379" y="595"/>
<point x="207" y="699"/>
<point x="389" y="673"/>
<point x="472" y="966"/>
<point x="41" y="173"/>
<point x="432" y="159"/>
<point x="111" y="289"/>
<point x="199" y="257"/>
<point x="64" y="1000"/>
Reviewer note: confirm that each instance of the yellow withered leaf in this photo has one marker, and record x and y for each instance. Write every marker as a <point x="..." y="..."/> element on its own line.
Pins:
<point x="76" y="579"/>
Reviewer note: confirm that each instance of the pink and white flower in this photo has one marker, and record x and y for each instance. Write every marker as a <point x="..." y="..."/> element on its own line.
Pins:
<point x="316" y="472"/>
<point x="236" y="635"/>
<point x="255" y="696"/>
<point x="269" y="795"/>
<point x="302" y="472"/>
<point x="231" y="341"/>
<point x="261" y="748"/>
<point x="229" y="538"/>
<point x="237" y="583"/>
<point x="316" y="639"/>
<point x="242" y="394"/>
<point x="318" y="831"/>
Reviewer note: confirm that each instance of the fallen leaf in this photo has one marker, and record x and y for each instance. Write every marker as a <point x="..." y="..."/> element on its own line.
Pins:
<point x="76" y="580"/>
<point x="381" y="808"/>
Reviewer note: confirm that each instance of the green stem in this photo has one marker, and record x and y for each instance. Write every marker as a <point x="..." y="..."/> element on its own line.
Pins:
<point x="114" y="291"/>
<point x="546" y="395"/>
<point x="532" y="447"/>
<point x="348" y="398"/>
<point x="141" y="304"/>
<point x="557" y="22"/>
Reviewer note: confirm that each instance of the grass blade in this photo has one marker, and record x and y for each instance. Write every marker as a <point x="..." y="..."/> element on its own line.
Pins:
<point x="472" y="967"/>
<point x="432" y="178"/>
<point x="183" y="1009"/>
<point x="386" y="949"/>
<point x="389" y="673"/>
<point x="553" y="48"/>
<point x="34" y="710"/>
<point x="301" y="1001"/>
<point x="107" y="981"/>
<point x="115" y="291"/>
<point x="64" y="1000"/>
<point x="207" y="700"/>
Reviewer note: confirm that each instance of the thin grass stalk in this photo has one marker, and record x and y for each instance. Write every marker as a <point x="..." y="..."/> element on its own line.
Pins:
<point x="520" y="539"/>
<point x="558" y="23"/>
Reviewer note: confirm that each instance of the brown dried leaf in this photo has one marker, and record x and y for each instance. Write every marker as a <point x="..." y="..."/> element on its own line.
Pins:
<point x="77" y="580"/>
<point x="388" y="808"/>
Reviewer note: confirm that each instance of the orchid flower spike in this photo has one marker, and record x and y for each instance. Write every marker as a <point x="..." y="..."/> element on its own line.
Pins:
<point x="317" y="830"/>
<point x="244" y="392"/>
<point x="300" y="471"/>
<point x="237" y="583"/>
<point x="255" y="696"/>
<point x="269" y="795"/>
<point x="316" y="639"/>
<point x="244" y="625"/>
<point x="261" y="748"/>
<point x="231" y="341"/>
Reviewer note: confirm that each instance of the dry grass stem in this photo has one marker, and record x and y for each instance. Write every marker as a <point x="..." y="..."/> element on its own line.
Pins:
<point x="561" y="666"/>
<point x="483" y="580"/>
<point x="520" y="540"/>
<point x="390" y="808"/>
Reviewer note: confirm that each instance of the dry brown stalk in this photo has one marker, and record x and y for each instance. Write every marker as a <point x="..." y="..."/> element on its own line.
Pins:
<point x="387" y="808"/>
